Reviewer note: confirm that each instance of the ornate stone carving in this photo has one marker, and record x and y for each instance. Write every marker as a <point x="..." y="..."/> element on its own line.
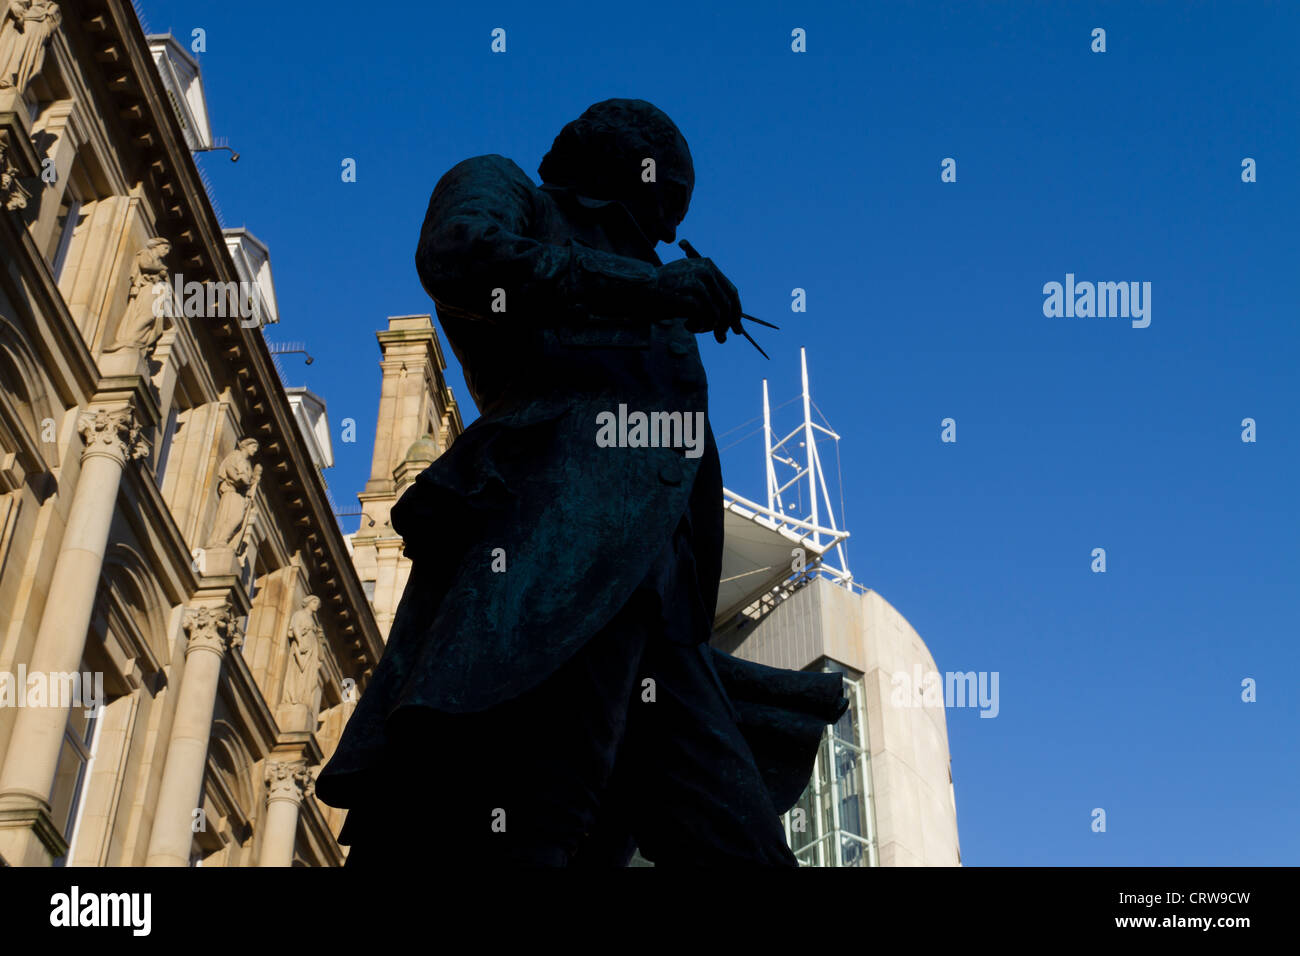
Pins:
<point x="13" y="194"/>
<point x="302" y="674"/>
<point x="114" y="432"/>
<point x="288" y="781"/>
<point x="149" y="300"/>
<point x="237" y="479"/>
<point x="212" y="629"/>
<point x="24" y="32"/>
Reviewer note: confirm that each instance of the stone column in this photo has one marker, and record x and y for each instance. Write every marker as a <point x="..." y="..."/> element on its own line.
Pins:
<point x="287" y="785"/>
<point x="212" y="631"/>
<point x="112" y="437"/>
<point x="392" y="569"/>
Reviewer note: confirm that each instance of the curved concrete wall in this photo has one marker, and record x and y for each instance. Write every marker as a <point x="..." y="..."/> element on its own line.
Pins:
<point x="907" y="735"/>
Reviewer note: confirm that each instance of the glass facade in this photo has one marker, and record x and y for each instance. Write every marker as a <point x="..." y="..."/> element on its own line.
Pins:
<point x="833" y="823"/>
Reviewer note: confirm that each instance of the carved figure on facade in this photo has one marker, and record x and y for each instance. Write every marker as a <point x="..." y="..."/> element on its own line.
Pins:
<point x="301" y="677"/>
<point x="149" y="300"/>
<point x="24" y="33"/>
<point x="237" y="481"/>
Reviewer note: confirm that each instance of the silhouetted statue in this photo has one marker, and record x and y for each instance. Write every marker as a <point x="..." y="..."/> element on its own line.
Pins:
<point x="548" y="695"/>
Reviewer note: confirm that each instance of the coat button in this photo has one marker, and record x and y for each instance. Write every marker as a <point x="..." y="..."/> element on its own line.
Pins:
<point x="670" y="473"/>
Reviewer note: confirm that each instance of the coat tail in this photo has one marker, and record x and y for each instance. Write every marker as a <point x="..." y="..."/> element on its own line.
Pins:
<point x="782" y="715"/>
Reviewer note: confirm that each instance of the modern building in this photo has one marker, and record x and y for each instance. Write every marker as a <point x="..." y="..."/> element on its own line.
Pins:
<point x="881" y="792"/>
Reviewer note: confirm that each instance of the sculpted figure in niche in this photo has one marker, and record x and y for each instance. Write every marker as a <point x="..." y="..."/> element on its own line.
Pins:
<point x="237" y="479"/>
<point x="305" y="635"/>
<point x="148" y="302"/>
<point x="27" y="28"/>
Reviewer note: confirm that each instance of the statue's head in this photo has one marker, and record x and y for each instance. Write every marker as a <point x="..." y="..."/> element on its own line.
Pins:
<point x="160" y="246"/>
<point x="602" y="155"/>
<point x="249" y="446"/>
<point x="312" y="603"/>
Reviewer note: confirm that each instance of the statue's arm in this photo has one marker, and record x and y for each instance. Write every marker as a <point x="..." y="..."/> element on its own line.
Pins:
<point x="476" y="240"/>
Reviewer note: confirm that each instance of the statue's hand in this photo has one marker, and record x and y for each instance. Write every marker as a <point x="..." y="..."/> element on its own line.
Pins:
<point x="697" y="290"/>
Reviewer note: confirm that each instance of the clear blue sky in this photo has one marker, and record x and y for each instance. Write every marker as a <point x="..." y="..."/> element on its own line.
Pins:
<point x="822" y="171"/>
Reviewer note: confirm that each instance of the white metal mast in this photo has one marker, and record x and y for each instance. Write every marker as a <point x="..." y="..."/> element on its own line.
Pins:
<point x="810" y="471"/>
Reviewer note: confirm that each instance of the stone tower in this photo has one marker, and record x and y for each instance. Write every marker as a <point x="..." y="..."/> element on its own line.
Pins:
<point x="418" y="419"/>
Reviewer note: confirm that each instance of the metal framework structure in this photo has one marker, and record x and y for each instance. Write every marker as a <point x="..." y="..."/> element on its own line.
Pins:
<point x="759" y="576"/>
<point x="833" y="823"/>
<point x="808" y="472"/>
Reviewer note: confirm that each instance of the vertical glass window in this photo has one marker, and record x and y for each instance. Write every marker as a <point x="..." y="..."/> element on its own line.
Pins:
<point x="73" y="771"/>
<point x="832" y="824"/>
<point x="165" y="444"/>
<point x="66" y="224"/>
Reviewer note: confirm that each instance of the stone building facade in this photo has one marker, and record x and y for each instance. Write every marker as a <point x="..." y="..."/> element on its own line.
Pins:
<point x="182" y="631"/>
<point x="418" y="419"/>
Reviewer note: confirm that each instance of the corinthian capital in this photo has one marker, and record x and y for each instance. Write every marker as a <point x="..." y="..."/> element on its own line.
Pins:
<point x="112" y="431"/>
<point x="13" y="195"/>
<point x="288" y="781"/>
<point x="212" y="629"/>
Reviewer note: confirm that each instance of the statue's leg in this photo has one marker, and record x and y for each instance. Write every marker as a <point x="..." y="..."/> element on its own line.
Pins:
<point x="686" y="779"/>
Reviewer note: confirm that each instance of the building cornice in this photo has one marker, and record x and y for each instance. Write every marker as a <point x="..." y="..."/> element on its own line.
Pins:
<point x="169" y="173"/>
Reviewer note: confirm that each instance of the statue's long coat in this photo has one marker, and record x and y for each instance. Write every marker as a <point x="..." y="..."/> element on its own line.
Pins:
<point x="552" y="329"/>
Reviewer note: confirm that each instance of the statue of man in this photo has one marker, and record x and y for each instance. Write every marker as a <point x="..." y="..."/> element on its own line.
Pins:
<point x="148" y="300"/>
<point x="25" y="29"/>
<point x="563" y="706"/>
<point x="237" y="479"/>
<point x="305" y="633"/>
